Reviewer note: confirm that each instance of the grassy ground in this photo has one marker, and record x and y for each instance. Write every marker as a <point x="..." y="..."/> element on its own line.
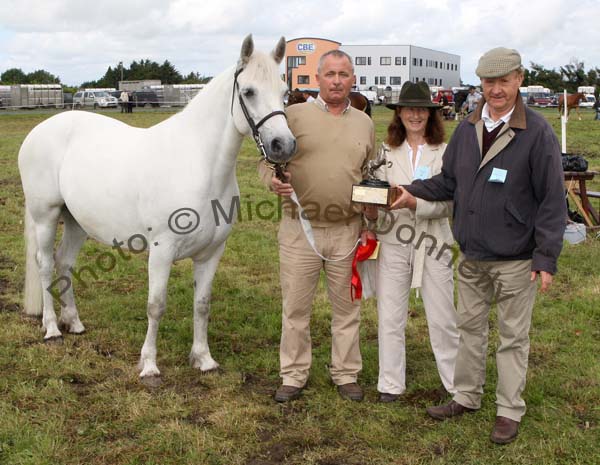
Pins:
<point x="81" y="402"/>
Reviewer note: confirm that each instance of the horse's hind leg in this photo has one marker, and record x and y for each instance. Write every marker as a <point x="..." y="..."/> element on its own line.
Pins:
<point x="73" y="238"/>
<point x="204" y="272"/>
<point x="159" y="268"/>
<point x="44" y="224"/>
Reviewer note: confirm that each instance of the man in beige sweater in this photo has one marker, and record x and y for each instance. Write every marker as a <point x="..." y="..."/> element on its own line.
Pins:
<point x="335" y="141"/>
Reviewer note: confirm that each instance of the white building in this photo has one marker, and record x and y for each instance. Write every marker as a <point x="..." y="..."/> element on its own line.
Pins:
<point x="393" y="65"/>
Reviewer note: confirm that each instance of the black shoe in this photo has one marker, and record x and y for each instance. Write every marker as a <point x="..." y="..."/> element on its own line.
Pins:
<point x="451" y="409"/>
<point x="286" y="393"/>
<point x="386" y="397"/>
<point x="351" y="391"/>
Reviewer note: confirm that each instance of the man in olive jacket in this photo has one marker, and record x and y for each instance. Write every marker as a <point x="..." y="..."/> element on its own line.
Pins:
<point x="502" y="168"/>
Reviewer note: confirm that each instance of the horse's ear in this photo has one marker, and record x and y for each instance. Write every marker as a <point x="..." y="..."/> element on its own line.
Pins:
<point x="279" y="50"/>
<point x="247" y="49"/>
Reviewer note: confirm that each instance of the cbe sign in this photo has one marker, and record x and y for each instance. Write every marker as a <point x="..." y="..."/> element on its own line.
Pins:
<point x="306" y="48"/>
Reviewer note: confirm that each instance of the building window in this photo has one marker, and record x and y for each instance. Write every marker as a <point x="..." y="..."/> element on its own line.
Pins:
<point x="376" y="80"/>
<point x="395" y="80"/>
<point x="436" y="65"/>
<point x="398" y="61"/>
<point x="404" y="61"/>
<point x="435" y="81"/>
<point x="303" y="79"/>
<point x="416" y="79"/>
<point x="369" y="61"/>
<point x="294" y="62"/>
<point x="420" y="61"/>
<point x="440" y="81"/>
<point x="414" y="62"/>
<point x="382" y="80"/>
<point x="360" y="61"/>
<point x="363" y="80"/>
<point x="385" y="61"/>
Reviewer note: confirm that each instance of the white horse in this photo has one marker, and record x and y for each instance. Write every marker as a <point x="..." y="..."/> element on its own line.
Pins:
<point x="122" y="186"/>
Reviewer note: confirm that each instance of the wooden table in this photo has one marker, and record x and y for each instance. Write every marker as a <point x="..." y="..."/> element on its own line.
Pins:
<point x="575" y="183"/>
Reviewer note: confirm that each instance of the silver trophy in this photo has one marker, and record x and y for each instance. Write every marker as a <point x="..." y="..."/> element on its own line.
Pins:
<point x="374" y="190"/>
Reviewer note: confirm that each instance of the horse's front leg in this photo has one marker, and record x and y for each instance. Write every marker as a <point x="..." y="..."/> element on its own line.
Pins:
<point x="159" y="268"/>
<point x="204" y="272"/>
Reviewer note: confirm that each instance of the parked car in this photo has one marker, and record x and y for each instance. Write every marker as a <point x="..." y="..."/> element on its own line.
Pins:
<point x="588" y="101"/>
<point x="144" y="98"/>
<point x="96" y="99"/>
<point x="539" y="99"/>
<point x="438" y="96"/>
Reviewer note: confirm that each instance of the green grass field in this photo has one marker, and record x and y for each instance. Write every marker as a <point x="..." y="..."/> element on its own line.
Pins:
<point x="81" y="402"/>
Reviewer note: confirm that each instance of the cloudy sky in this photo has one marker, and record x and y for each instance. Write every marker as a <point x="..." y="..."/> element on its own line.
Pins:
<point x="78" y="39"/>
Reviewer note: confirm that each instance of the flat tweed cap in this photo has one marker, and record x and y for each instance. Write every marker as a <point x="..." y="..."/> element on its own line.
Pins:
<point x="498" y="62"/>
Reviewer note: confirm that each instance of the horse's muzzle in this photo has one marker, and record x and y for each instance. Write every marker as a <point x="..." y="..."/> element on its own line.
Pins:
<point x="281" y="149"/>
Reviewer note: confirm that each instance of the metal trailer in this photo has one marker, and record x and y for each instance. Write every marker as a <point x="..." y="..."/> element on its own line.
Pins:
<point x="5" y="97"/>
<point x="177" y="94"/>
<point x="36" y="96"/>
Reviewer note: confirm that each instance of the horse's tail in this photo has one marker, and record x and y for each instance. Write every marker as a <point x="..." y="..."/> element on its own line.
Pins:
<point x="32" y="304"/>
<point x="368" y="107"/>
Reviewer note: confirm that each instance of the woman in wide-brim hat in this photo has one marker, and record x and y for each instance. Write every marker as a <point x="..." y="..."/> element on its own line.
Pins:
<point x="414" y="149"/>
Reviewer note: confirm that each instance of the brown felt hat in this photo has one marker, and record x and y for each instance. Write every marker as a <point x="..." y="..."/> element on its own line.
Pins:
<point x="414" y="95"/>
<point x="498" y="62"/>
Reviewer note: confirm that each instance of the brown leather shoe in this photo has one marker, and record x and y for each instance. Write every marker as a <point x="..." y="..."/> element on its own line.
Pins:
<point x="351" y="391"/>
<point x="386" y="397"/>
<point x="451" y="409"/>
<point x="505" y="430"/>
<point x="285" y="393"/>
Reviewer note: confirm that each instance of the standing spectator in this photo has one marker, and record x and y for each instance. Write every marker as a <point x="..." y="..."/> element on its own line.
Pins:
<point x="416" y="145"/>
<point x="130" y="98"/>
<point x="503" y="170"/>
<point x="124" y="102"/>
<point x="335" y="141"/>
<point x="472" y="100"/>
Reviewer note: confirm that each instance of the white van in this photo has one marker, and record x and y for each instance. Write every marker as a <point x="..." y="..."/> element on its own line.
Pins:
<point x="95" y="99"/>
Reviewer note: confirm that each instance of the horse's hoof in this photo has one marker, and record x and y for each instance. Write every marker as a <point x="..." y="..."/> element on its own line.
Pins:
<point x="54" y="340"/>
<point x="151" y="381"/>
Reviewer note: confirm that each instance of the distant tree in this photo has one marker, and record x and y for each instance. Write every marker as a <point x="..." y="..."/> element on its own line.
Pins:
<point x="538" y="75"/>
<point x="41" y="76"/>
<point x="13" y="76"/>
<point x="196" y="78"/>
<point x="573" y="74"/>
<point x="169" y="75"/>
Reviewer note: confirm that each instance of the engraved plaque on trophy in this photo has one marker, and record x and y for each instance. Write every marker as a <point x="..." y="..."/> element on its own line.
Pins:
<point x="373" y="190"/>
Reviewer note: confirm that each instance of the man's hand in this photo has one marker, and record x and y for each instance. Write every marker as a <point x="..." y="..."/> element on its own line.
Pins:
<point x="284" y="189"/>
<point x="366" y="234"/>
<point x="546" y="279"/>
<point x="404" y="199"/>
<point x="370" y="211"/>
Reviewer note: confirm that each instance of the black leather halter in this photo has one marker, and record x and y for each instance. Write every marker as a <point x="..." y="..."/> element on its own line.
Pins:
<point x="256" y="126"/>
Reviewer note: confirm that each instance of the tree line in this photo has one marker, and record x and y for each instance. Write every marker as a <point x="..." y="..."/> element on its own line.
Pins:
<point x="569" y="76"/>
<point x="137" y="70"/>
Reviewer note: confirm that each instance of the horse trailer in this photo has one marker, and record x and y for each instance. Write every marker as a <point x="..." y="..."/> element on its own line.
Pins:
<point x="36" y="96"/>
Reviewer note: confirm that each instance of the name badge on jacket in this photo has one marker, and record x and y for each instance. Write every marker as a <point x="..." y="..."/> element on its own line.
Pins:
<point x="498" y="175"/>
<point x="422" y="172"/>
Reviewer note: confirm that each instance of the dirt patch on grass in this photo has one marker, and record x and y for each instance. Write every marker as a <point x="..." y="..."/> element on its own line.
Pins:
<point x="425" y="397"/>
<point x="256" y="384"/>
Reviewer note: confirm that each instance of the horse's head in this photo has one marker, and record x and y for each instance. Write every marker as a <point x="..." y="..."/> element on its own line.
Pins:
<point x="259" y="105"/>
<point x="296" y="96"/>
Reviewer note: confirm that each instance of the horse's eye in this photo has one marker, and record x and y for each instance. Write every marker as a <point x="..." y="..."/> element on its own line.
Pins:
<point x="248" y="93"/>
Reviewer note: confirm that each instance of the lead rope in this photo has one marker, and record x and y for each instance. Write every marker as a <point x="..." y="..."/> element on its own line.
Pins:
<point x="310" y="237"/>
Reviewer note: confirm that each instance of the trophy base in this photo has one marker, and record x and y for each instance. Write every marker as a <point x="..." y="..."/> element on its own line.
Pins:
<point x="375" y="192"/>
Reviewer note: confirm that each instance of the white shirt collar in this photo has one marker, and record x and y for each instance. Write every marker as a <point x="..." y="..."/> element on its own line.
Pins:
<point x="319" y="100"/>
<point x="490" y="124"/>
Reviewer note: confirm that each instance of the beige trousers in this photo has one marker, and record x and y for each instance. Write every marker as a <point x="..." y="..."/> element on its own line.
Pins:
<point x="509" y="284"/>
<point x="394" y="276"/>
<point x="300" y="270"/>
